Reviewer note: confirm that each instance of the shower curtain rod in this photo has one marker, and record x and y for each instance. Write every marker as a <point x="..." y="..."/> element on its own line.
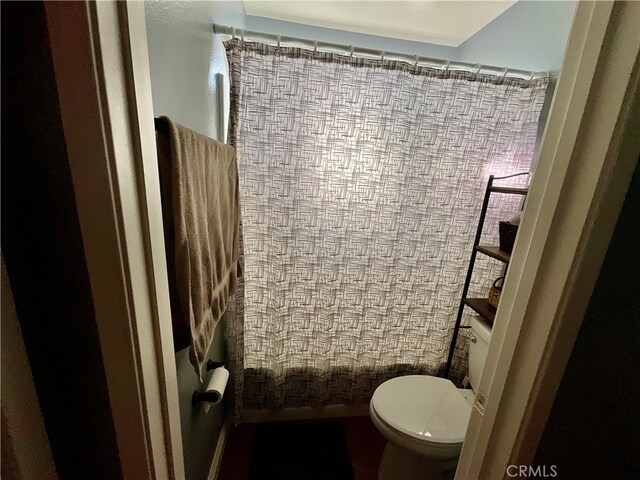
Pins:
<point x="351" y="50"/>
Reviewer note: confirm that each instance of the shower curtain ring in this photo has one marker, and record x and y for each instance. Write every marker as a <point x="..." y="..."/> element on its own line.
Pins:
<point x="242" y="36"/>
<point x="504" y="74"/>
<point x="479" y="67"/>
<point x="446" y="66"/>
<point x="415" y="64"/>
<point x="532" y="75"/>
<point x="382" y="52"/>
<point x="315" y="46"/>
<point x="233" y="33"/>
<point x="279" y="38"/>
<point x="350" y="51"/>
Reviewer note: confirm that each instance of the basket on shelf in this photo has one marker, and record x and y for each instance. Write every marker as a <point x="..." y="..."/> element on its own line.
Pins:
<point x="495" y="291"/>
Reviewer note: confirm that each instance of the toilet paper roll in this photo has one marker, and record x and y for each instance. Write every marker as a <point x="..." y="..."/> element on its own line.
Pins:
<point x="217" y="384"/>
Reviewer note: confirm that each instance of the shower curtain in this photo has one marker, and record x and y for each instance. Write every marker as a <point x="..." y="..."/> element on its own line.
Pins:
<point x="361" y="184"/>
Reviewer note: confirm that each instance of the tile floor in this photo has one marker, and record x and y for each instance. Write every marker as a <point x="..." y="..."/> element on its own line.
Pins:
<point x="364" y="442"/>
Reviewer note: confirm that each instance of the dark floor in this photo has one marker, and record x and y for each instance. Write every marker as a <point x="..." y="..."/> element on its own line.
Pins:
<point x="364" y="441"/>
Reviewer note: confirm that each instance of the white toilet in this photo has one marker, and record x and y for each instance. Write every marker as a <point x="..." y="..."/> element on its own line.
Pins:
<point x="424" y="418"/>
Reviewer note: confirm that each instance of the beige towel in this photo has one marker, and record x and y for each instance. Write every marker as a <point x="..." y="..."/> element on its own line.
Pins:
<point x="206" y="218"/>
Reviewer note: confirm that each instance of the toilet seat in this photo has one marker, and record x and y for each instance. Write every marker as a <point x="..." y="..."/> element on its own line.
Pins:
<point x="430" y="411"/>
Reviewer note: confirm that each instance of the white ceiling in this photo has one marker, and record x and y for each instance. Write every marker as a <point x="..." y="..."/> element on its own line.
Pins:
<point x="441" y="22"/>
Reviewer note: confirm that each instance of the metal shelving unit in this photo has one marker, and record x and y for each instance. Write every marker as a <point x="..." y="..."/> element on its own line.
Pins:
<point x="481" y="305"/>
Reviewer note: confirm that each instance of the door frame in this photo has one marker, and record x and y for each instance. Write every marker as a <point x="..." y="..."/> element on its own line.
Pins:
<point x="102" y="73"/>
<point x="586" y="162"/>
<point x="101" y="66"/>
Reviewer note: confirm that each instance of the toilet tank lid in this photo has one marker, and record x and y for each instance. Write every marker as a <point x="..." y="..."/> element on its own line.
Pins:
<point x="481" y="327"/>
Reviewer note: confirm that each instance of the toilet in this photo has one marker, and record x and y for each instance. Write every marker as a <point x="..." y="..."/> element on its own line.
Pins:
<point x="424" y="418"/>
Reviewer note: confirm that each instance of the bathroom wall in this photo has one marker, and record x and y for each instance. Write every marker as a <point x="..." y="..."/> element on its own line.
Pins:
<point x="184" y="57"/>
<point x="201" y="426"/>
<point x="529" y="35"/>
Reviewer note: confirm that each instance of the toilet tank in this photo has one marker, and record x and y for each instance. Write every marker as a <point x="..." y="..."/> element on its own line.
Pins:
<point x="478" y="347"/>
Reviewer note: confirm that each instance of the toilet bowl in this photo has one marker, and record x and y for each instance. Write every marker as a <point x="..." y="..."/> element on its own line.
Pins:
<point x="425" y="418"/>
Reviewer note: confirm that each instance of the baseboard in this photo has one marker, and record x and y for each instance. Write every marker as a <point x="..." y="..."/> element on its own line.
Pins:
<point x="217" y="455"/>
<point x="305" y="413"/>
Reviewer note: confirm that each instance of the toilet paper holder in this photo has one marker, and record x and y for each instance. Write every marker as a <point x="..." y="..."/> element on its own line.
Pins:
<point x="211" y="365"/>
<point x="213" y="397"/>
<point x="199" y="397"/>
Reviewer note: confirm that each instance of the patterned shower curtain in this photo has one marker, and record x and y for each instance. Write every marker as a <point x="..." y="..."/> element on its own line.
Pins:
<point x="361" y="185"/>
